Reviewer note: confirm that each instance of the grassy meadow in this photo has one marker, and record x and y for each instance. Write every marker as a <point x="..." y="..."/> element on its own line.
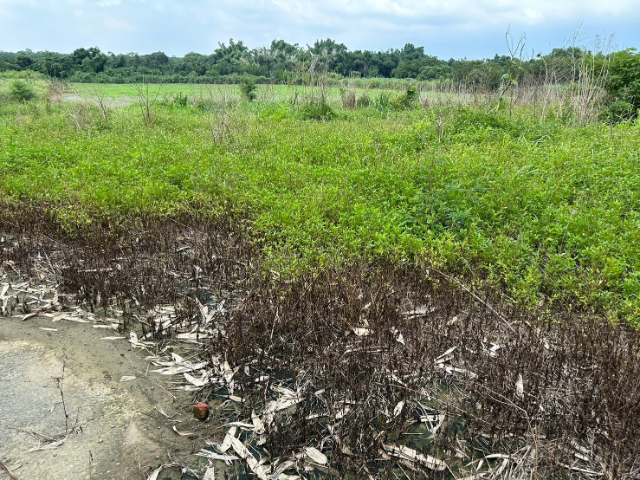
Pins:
<point x="541" y="207"/>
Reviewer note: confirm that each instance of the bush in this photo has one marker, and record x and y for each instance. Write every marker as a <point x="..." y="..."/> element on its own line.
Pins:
<point x="248" y="89"/>
<point x="21" y="91"/>
<point x="407" y="99"/>
<point x="623" y="86"/>
<point x="316" y="110"/>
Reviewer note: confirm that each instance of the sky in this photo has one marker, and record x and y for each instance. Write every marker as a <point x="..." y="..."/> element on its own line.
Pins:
<point x="446" y="28"/>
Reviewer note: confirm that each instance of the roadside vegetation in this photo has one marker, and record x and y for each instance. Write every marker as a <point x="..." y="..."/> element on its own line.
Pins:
<point x="355" y="232"/>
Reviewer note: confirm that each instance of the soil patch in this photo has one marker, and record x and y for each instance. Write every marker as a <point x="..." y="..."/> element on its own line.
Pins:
<point x="121" y="432"/>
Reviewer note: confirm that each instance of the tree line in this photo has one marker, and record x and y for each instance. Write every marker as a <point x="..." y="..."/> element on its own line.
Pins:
<point x="284" y="62"/>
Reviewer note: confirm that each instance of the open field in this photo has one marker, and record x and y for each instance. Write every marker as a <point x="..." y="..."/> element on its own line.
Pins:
<point x="456" y="280"/>
<point x="202" y="94"/>
<point x="542" y="208"/>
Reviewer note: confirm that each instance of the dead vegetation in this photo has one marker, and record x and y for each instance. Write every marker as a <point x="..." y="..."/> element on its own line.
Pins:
<point x="364" y="371"/>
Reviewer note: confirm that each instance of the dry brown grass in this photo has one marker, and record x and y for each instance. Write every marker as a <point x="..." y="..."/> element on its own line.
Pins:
<point x="377" y="357"/>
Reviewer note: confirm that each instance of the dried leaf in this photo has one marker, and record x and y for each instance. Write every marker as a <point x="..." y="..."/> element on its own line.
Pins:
<point x="411" y="455"/>
<point x="360" y="331"/>
<point x="113" y="338"/>
<point x="520" y="386"/>
<point x="210" y="474"/>
<point x="398" y="409"/>
<point x="182" y="434"/>
<point x="194" y="381"/>
<point x="180" y="369"/>
<point x="244" y="426"/>
<point x="127" y="378"/>
<point x="216" y="456"/>
<point x="226" y="443"/>
<point x="316" y="455"/>
<point x="261" y="471"/>
<point x="258" y="424"/>
<point x="448" y="355"/>
<point x="154" y="475"/>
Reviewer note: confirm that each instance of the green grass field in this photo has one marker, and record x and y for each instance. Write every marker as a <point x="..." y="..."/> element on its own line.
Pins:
<point x="546" y="210"/>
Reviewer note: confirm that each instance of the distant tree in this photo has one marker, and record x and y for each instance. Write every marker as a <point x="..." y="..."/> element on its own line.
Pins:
<point x="23" y="62"/>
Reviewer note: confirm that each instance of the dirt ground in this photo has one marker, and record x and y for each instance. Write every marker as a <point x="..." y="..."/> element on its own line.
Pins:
<point x="121" y="433"/>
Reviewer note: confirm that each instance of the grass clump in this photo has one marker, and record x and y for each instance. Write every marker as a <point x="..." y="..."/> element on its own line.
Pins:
<point x="316" y="109"/>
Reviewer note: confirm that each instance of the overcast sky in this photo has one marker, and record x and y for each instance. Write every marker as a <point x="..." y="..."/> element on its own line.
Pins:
<point x="446" y="28"/>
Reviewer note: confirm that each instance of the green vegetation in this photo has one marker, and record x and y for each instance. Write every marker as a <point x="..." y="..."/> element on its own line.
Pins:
<point x="248" y="89"/>
<point x="623" y="85"/>
<point x="286" y="63"/>
<point x="545" y="208"/>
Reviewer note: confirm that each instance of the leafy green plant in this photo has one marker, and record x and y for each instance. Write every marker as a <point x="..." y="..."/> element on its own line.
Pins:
<point x="180" y="100"/>
<point x="541" y="210"/>
<point x="248" y="89"/>
<point x="623" y="86"/>
<point x="21" y="91"/>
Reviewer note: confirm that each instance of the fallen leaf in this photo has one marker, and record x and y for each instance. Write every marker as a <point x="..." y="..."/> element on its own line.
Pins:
<point x="154" y="475"/>
<point x="261" y="471"/>
<point x="410" y="455"/>
<point x="226" y="443"/>
<point x="520" y="386"/>
<point x="316" y="455"/>
<point x="182" y="434"/>
<point x="216" y="456"/>
<point x="448" y="355"/>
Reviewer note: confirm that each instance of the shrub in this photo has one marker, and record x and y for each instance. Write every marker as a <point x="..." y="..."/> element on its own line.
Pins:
<point x="21" y="91"/>
<point x="248" y="89"/>
<point x="407" y="99"/>
<point x="623" y="86"/>
<point x="316" y="110"/>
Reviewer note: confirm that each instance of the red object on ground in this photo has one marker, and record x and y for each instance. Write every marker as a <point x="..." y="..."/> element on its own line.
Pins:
<point x="201" y="411"/>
